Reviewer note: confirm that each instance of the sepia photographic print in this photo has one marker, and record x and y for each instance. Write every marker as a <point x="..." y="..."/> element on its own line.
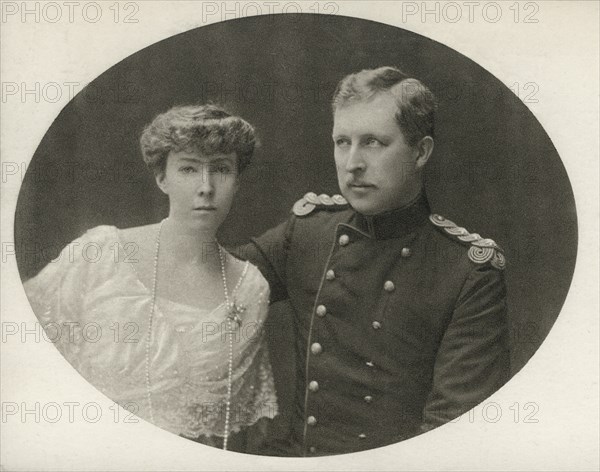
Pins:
<point x="299" y="235"/>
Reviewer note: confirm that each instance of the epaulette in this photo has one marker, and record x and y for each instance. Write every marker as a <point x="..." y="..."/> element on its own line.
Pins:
<point x="311" y="200"/>
<point x="481" y="251"/>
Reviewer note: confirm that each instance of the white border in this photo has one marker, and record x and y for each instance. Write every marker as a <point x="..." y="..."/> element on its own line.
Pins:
<point x="559" y="53"/>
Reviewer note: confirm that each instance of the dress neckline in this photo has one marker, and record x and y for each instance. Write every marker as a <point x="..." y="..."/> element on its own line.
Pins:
<point x="208" y="311"/>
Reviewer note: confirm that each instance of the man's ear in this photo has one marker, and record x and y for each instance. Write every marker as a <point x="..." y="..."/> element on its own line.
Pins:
<point x="424" y="149"/>
<point x="161" y="182"/>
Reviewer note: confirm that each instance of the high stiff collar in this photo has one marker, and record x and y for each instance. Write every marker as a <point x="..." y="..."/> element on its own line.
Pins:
<point x="394" y="223"/>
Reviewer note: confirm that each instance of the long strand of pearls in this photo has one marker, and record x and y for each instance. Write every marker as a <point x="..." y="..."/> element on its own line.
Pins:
<point x="230" y="356"/>
<point x="228" y="307"/>
<point x="150" y="321"/>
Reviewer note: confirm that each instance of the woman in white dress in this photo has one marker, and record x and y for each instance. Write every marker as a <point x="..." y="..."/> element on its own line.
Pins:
<point x="182" y="339"/>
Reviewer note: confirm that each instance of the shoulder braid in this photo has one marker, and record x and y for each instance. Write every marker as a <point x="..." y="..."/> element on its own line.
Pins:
<point x="482" y="250"/>
<point x="311" y="201"/>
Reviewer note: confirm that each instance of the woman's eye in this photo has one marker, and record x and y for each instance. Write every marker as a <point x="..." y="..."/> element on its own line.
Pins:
<point x="342" y="142"/>
<point x="187" y="170"/>
<point x="219" y="169"/>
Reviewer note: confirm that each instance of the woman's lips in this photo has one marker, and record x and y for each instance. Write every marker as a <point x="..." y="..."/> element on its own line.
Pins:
<point x="205" y="208"/>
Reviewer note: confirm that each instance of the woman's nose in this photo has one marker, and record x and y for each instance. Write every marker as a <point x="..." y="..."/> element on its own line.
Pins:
<point x="206" y="183"/>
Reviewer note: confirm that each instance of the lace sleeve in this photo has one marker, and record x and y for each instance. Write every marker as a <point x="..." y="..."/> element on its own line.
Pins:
<point x="264" y="397"/>
<point x="57" y="293"/>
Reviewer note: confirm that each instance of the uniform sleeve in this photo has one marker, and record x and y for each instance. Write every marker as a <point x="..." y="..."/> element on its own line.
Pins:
<point x="269" y="253"/>
<point x="473" y="358"/>
<point x="58" y="291"/>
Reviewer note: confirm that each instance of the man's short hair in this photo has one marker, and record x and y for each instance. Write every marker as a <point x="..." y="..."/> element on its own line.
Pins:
<point x="416" y="103"/>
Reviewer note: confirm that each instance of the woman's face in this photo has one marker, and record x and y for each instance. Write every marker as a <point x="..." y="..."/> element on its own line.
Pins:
<point x="200" y="188"/>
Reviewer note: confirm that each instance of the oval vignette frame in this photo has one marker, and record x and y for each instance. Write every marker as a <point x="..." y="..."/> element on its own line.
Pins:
<point x="494" y="170"/>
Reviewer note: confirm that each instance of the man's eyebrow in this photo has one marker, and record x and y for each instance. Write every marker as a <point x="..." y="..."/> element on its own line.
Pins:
<point x="376" y="134"/>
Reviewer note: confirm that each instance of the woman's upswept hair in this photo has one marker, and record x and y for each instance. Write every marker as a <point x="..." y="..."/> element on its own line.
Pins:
<point x="416" y="103"/>
<point x="207" y="129"/>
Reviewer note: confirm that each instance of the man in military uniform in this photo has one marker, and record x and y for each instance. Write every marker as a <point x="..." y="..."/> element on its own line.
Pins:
<point x="400" y="315"/>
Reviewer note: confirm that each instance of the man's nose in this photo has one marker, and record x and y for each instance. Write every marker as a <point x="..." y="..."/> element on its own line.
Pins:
<point x="355" y="162"/>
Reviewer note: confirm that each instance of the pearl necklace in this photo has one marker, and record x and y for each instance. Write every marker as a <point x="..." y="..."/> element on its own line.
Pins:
<point x="233" y="312"/>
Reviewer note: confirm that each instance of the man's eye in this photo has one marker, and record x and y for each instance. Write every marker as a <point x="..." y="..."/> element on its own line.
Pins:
<point x="373" y="142"/>
<point x="187" y="170"/>
<point x="342" y="142"/>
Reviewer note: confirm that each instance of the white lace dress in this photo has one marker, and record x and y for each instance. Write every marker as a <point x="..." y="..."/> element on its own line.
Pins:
<point x="96" y="310"/>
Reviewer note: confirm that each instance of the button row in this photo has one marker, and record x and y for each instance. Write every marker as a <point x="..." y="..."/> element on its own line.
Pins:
<point x="322" y="311"/>
<point x="312" y="421"/>
<point x="344" y="240"/>
<point x="313" y="386"/>
<point x="388" y="286"/>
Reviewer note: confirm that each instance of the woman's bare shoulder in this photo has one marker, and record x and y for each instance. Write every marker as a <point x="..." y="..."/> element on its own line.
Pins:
<point x="245" y="270"/>
<point x="141" y="241"/>
<point x="139" y="234"/>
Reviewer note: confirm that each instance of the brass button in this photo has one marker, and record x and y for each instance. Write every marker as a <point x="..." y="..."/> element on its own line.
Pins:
<point x="311" y="421"/>
<point x="368" y="398"/>
<point x="330" y="275"/>
<point x="312" y="449"/>
<point x="370" y="364"/>
<point x="321" y="310"/>
<point x="389" y="286"/>
<point x="376" y="325"/>
<point x="362" y="436"/>
<point x="316" y="348"/>
<point x="313" y="386"/>
<point x="406" y="252"/>
<point x="344" y="240"/>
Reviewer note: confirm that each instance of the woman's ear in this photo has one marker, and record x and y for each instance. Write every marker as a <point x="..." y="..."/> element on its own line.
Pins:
<point x="424" y="149"/>
<point x="161" y="181"/>
<point x="236" y="186"/>
<point x="237" y="175"/>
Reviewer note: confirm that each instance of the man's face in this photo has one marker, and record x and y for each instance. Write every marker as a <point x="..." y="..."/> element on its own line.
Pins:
<point x="377" y="170"/>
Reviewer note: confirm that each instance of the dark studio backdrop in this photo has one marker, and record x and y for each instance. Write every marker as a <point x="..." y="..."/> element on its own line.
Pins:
<point x="494" y="170"/>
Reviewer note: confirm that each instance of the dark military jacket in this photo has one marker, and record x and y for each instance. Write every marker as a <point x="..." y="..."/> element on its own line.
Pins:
<point x="400" y="319"/>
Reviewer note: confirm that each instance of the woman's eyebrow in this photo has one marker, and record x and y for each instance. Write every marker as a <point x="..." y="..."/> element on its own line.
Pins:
<point x="207" y="159"/>
<point x="222" y="159"/>
<point x="191" y="159"/>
